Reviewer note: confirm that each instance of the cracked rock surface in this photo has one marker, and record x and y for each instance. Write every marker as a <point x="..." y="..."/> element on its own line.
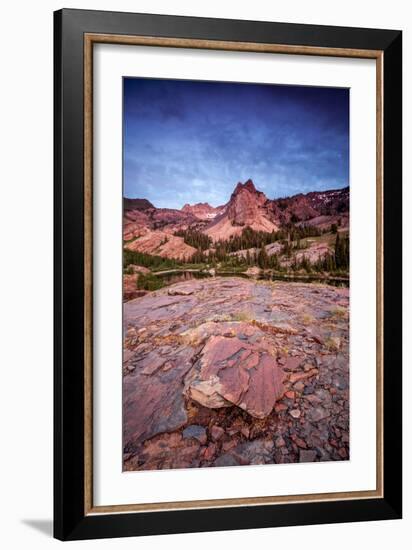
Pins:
<point x="229" y="371"/>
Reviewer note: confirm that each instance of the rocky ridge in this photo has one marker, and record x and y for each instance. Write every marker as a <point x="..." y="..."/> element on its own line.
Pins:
<point x="163" y="244"/>
<point x="203" y="210"/>
<point x="247" y="207"/>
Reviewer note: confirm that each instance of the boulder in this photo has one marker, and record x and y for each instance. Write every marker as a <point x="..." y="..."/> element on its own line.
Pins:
<point x="153" y="400"/>
<point x="231" y="371"/>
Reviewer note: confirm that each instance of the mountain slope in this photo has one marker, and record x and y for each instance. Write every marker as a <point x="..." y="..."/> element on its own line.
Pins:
<point x="158" y="243"/>
<point x="152" y="230"/>
<point x="247" y="207"/>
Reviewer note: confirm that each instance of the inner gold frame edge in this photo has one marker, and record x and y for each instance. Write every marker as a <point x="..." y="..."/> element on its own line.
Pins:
<point x="89" y="40"/>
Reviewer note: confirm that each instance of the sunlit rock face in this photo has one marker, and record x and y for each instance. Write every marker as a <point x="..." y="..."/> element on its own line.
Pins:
<point x="247" y="207"/>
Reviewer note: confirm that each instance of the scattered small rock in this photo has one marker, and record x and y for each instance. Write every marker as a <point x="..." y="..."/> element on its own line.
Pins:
<point x="216" y="432"/>
<point x="299" y="386"/>
<point x="316" y="414"/>
<point x="307" y="456"/>
<point x="296" y="376"/>
<point x="339" y="382"/>
<point x="226" y="460"/>
<point x="299" y="442"/>
<point x="209" y="451"/>
<point x="245" y="431"/>
<point x="343" y="453"/>
<point x="229" y="444"/>
<point x="179" y="292"/>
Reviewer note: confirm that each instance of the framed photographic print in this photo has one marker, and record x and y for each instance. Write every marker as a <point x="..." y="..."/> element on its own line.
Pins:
<point x="227" y="274"/>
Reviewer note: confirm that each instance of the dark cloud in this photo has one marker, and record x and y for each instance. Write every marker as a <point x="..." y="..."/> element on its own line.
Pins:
<point x="192" y="141"/>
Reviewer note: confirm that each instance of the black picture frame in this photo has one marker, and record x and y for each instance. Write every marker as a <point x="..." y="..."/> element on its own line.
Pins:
<point x="70" y="520"/>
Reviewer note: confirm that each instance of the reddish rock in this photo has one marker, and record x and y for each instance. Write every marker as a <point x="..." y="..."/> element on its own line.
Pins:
<point x="232" y="370"/>
<point x="245" y="431"/>
<point x="130" y="291"/>
<point x="307" y="366"/>
<point x="343" y="453"/>
<point x="210" y="451"/>
<point x="296" y="376"/>
<point x="203" y="210"/>
<point x="292" y="363"/>
<point x="229" y="444"/>
<point x="246" y="207"/>
<point x="154" y="403"/>
<point x="165" y="451"/>
<point x="299" y="386"/>
<point x="258" y="451"/>
<point x="165" y="339"/>
<point x="216" y="432"/>
<point x="317" y="413"/>
<point x="313" y="398"/>
<point x="299" y="442"/>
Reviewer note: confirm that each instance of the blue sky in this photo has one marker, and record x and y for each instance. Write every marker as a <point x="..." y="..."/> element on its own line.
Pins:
<point x="192" y="141"/>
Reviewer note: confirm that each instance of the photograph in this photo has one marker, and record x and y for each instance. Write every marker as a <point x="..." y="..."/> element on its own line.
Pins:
<point x="227" y="273"/>
<point x="235" y="274"/>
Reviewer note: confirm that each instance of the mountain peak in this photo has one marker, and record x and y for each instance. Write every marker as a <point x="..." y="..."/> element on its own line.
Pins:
<point x="245" y="204"/>
<point x="188" y="206"/>
<point x="249" y="185"/>
<point x="202" y="210"/>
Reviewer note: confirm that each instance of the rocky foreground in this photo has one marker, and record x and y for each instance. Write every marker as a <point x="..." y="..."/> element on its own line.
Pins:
<point x="230" y="371"/>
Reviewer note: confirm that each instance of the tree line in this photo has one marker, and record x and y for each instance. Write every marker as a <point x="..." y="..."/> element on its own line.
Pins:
<point x="195" y="238"/>
<point x="147" y="260"/>
<point x="248" y="238"/>
<point x="222" y="254"/>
